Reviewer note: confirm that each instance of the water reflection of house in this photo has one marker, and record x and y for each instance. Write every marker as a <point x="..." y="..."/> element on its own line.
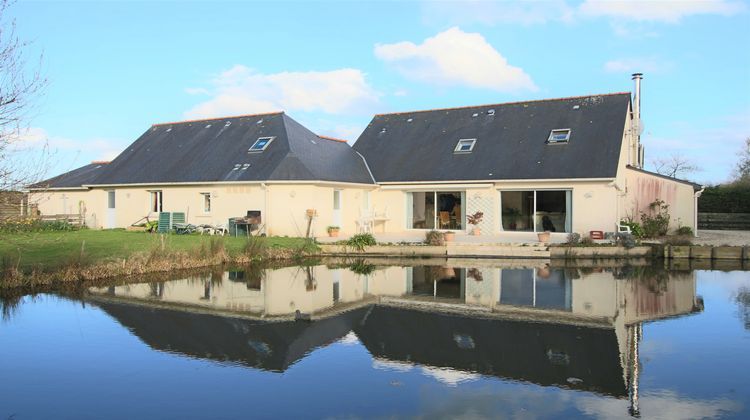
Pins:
<point x="571" y="328"/>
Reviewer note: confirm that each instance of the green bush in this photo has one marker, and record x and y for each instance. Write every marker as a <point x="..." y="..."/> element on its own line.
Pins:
<point x="684" y="231"/>
<point x="656" y="223"/>
<point x="733" y="198"/>
<point x="361" y="240"/>
<point x="36" y="225"/>
<point x="625" y="239"/>
<point x="635" y="228"/>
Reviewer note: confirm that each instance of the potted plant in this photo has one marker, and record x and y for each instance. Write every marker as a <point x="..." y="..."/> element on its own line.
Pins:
<point x="333" y="231"/>
<point x="543" y="236"/>
<point x="449" y="236"/>
<point x="474" y="220"/>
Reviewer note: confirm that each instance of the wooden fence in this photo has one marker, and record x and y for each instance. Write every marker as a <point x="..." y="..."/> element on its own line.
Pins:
<point x="724" y="221"/>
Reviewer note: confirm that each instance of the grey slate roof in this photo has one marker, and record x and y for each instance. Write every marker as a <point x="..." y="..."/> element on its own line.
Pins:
<point x="511" y="144"/>
<point x="73" y="179"/>
<point x="210" y="150"/>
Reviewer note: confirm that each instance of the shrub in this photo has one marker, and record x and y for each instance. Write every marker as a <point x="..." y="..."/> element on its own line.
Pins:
<point x="656" y="223"/>
<point x="434" y="237"/>
<point x="573" y="238"/>
<point x="733" y="198"/>
<point x="587" y="241"/>
<point x="635" y="228"/>
<point x="625" y="239"/>
<point x="684" y="231"/>
<point x="256" y="247"/>
<point x="361" y="267"/>
<point x="361" y="240"/>
<point x="36" y="225"/>
<point x="678" y="240"/>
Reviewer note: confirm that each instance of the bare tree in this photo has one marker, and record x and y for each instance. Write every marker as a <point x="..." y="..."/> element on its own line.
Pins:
<point x="19" y="87"/>
<point x="675" y="166"/>
<point x="742" y="171"/>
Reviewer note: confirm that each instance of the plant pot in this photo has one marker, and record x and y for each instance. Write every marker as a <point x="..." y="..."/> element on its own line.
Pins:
<point x="476" y="231"/>
<point x="449" y="236"/>
<point x="334" y="233"/>
<point x="543" y="236"/>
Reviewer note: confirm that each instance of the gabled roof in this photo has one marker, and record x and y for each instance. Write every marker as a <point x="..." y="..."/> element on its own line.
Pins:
<point x="73" y="179"/>
<point x="217" y="150"/>
<point x="511" y="141"/>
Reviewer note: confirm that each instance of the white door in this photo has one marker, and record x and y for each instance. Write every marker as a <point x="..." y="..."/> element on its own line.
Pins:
<point x="111" y="214"/>
<point x="336" y="208"/>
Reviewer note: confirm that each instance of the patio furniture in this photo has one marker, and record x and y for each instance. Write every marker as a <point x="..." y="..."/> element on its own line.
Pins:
<point x="184" y="228"/>
<point x="365" y="221"/>
<point x="445" y="219"/>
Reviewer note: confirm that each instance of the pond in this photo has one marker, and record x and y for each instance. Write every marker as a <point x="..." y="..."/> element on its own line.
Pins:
<point x="385" y="338"/>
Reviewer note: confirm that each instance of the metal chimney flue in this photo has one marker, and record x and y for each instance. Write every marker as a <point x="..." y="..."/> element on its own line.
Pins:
<point x="637" y="125"/>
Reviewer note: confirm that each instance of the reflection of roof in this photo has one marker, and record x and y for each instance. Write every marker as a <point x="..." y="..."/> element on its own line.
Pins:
<point x="272" y="346"/>
<point x="545" y="354"/>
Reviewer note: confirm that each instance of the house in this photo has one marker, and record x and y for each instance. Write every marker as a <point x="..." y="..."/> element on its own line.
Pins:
<point x="561" y="165"/>
<point x="216" y="169"/>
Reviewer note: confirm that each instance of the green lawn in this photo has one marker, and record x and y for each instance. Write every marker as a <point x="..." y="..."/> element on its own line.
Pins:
<point x="52" y="249"/>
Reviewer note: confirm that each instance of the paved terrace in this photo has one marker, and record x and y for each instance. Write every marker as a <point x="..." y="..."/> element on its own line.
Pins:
<point x="514" y="238"/>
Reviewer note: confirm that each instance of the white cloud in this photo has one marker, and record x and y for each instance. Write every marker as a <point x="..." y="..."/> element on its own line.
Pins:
<point x="526" y="12"/>
<point x="626" y="17"/>
<point x="37" y="138"/>
<point x="241" y="90"/>
<point x="638" y="64"/>
<point x="448" y="376"/>
<point x="455" y="57"/>
<point x="668" y="11"/>
<point x="664" y="404"/>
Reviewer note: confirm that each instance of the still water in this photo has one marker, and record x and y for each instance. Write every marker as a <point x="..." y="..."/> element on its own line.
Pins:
<point x="374" y="339"/>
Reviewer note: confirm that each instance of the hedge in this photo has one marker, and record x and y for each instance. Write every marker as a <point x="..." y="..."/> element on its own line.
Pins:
<point x="725" y="199"/>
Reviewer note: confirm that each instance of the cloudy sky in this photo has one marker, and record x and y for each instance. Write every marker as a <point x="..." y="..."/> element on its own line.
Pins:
<point x="117" y="68"/>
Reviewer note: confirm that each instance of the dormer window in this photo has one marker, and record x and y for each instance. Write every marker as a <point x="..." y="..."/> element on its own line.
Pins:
<point x="260" y="144"/>
<point x="559" y="136"/>
<point x="465" y="146"/>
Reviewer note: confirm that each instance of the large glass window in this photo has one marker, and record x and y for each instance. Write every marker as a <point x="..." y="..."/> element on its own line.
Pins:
<point x="436" y="210"/>
<point x="541" y="288"/>
<point x="536" y="211"/>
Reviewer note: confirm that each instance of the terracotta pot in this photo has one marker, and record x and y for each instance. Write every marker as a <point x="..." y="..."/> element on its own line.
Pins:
<point x="333" y="233"/>
<point x="476" y="231"/>
<point x="449" y="236"/>
<point x="543" y="236"/>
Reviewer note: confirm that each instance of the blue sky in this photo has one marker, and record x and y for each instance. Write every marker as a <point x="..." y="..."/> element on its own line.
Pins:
<point x="116" y="68"/>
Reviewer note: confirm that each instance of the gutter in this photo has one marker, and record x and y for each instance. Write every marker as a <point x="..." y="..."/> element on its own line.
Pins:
<point x="696" y="195"/>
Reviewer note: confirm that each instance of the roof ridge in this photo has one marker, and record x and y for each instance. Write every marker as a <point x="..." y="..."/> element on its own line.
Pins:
<point x="502" y="103"/>
<point x="333" y="139"/>
<point x="218" y="118"/>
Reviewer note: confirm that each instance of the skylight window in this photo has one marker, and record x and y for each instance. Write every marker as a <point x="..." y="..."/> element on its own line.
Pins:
<point x="559" y="136"/>
<point x="465" y="146"/>
<point x="260" y="144"/>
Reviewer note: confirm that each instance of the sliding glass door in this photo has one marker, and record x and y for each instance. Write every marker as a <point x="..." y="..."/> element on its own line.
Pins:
<point x="436" y="210"/>
<point x="536" y="210"/>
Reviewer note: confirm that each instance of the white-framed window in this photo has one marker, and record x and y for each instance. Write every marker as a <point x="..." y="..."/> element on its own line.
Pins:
<point x="110" y="199"/>
<point x="206" y="196"/>
<point x="436" y="210"/>
<point x="465" y="146"/>
<point x="155" y="201"/>
<point x="260" y="145"/>
<point x="561" y="135"/>
<point x="536" y="210"/>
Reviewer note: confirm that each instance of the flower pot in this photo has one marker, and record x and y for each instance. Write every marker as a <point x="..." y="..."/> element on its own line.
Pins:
<point x="543" y="236"/>
<point x="449" y="236"/>
<point x="333" y="233"/>
<point x="476" y="231"/>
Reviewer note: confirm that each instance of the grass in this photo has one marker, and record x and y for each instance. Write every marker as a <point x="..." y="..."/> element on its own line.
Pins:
<point x="51" y="250"/>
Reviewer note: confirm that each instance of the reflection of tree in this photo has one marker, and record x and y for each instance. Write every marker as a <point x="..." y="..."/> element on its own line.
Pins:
<point x="743" y="301"/>
<point x="9" y="306"/>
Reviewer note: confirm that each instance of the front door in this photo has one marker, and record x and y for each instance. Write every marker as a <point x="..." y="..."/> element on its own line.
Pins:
<point x="111" y="213"/>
